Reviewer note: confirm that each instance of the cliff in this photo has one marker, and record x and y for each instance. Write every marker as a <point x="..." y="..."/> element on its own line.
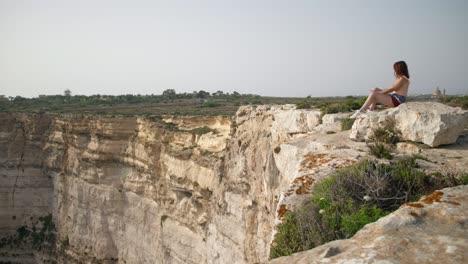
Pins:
<point x="167" y="189"/>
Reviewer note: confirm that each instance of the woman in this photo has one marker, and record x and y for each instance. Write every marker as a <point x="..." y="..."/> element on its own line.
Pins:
<point x="390" y="97"/>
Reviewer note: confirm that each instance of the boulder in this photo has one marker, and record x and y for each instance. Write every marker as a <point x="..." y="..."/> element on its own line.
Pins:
<point x="331" y="123"/>
<point x="293" y="121"/>
<point x="431" y="123"/>
<point x="432" y="230"/>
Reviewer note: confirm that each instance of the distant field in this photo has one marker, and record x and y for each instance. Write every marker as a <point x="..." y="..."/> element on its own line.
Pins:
<point x="209" y="105"/>
<point x="130" y="105"/>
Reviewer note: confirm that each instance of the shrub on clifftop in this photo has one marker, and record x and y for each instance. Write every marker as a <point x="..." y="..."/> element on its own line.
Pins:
<point x="352" y="197"/>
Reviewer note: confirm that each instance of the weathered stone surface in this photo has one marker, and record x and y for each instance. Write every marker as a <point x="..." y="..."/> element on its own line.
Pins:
<point x="138" y="190"/>
<point x="431" y="123"/>
<point x="434" y="230"/>
<point x="331" y="123"/>
<point x="24" y="190"/>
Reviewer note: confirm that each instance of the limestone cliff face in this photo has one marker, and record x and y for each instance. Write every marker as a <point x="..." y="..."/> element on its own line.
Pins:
<point x="121" y="189"/>
<point x="26" y="192"/>
<point x="132" y="190"/>
<point x="165" y="189"/>
<point x="137" y="190"/>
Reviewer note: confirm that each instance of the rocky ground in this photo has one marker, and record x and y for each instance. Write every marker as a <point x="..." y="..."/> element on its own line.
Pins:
<point x="432" y="230"/>
<point x="204" y="190"/>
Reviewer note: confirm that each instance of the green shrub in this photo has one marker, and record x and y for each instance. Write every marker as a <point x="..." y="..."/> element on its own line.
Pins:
<point x="296" y="233"/>
<point x="380" y="150"/>
<point x="305" y="104"/>
<point x="210" y="104"/>
<point x="352" y="197"/>
<point x="42" y="238"/>
<point x="387" y="134"/>
<point x="464" y="178"/>
<point x="355" y="221"/>
<point x="201" y="130"/>
<point x="347" y="124"/>
<point x="461" y="101"/>
<point x="349" y="104"/>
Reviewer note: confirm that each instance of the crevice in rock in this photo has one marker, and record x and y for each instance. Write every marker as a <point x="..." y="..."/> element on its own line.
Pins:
<point x="20" y="163"/>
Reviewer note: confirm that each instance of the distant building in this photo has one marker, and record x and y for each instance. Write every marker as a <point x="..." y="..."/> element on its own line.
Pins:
<point x="437" y="94"/>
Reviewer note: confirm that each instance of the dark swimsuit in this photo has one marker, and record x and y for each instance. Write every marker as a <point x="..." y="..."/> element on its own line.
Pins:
<point x="397" y="99"/>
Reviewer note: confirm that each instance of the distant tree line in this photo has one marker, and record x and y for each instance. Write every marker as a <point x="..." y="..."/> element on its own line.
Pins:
<point x="169" y="94"/>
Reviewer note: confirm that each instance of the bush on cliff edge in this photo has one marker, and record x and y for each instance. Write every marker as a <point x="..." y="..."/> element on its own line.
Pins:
<point x="352" y="197"/>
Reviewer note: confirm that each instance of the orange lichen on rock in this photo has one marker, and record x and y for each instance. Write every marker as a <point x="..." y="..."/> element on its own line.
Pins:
<point x="305" y="184"/>
<point x="282" y="211"/>
<point x="433" y="197"/>
<point x="414" y="214"/>
<point x="451" y="202"/>
<point x="312" y="161"/>
<point x="416" y="205"/>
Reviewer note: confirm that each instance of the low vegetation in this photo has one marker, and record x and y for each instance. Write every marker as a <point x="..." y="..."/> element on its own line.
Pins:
<point x="41" y="234"/>
<point x="173" y="127"/>
<point x="461" y="101"/>
<point x="380" y="151"/>
<point x="352" y="197"/>
<point x="347" y="124"/>
<point x="387" y="134"/>
<point x="332" y="105"/>
<point x="197" y="103"/>
<point x="201" y="103"/>
<point x="202" y="130"/>
<point x="384" y="140"/>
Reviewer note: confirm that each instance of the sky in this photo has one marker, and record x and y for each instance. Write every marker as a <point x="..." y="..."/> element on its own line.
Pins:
<point x="267" y="47"/>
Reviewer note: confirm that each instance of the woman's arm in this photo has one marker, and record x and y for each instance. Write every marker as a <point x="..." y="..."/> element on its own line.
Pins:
<point x="395" y="87"/>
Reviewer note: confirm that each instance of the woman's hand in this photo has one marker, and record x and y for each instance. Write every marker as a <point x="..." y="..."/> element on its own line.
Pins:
<point x="375" y="90"/>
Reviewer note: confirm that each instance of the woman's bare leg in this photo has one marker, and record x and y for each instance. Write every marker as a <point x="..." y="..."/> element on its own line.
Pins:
<point x="373" y="91"/>
<point x="375" y="98"/>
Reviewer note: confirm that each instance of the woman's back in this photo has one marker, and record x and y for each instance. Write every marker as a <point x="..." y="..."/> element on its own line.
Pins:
<point x="403" y="86"/>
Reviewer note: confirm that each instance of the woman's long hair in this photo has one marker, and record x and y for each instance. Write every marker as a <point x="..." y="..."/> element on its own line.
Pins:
<point x="401" y="68"/>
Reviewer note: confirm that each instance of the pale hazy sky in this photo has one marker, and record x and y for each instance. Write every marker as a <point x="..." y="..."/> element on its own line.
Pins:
<point x="276" y="48"/>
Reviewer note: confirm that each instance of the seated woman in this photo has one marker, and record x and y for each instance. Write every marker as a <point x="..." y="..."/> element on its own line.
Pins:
<point x="390" y="97"/>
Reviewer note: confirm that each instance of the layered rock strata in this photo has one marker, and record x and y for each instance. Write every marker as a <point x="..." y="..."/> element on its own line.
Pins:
<point x="166" y="189"/>
<point x="149" y="190"/>
<point x="26" y="192"/>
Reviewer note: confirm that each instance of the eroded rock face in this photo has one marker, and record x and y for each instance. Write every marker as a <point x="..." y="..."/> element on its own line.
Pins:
<point x="433" y="124"/>
<point x="432" y="230"/>
<point x="171" y="189"/>
<point x="247" y="198"/>
<point x="121" y="189"/>
<point x="133" y="190"/>
<point x="25" y="192"/>
<point x="126" y="189"/>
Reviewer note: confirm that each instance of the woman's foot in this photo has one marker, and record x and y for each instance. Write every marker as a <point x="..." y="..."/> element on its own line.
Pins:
<point x="356" y="114"/>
